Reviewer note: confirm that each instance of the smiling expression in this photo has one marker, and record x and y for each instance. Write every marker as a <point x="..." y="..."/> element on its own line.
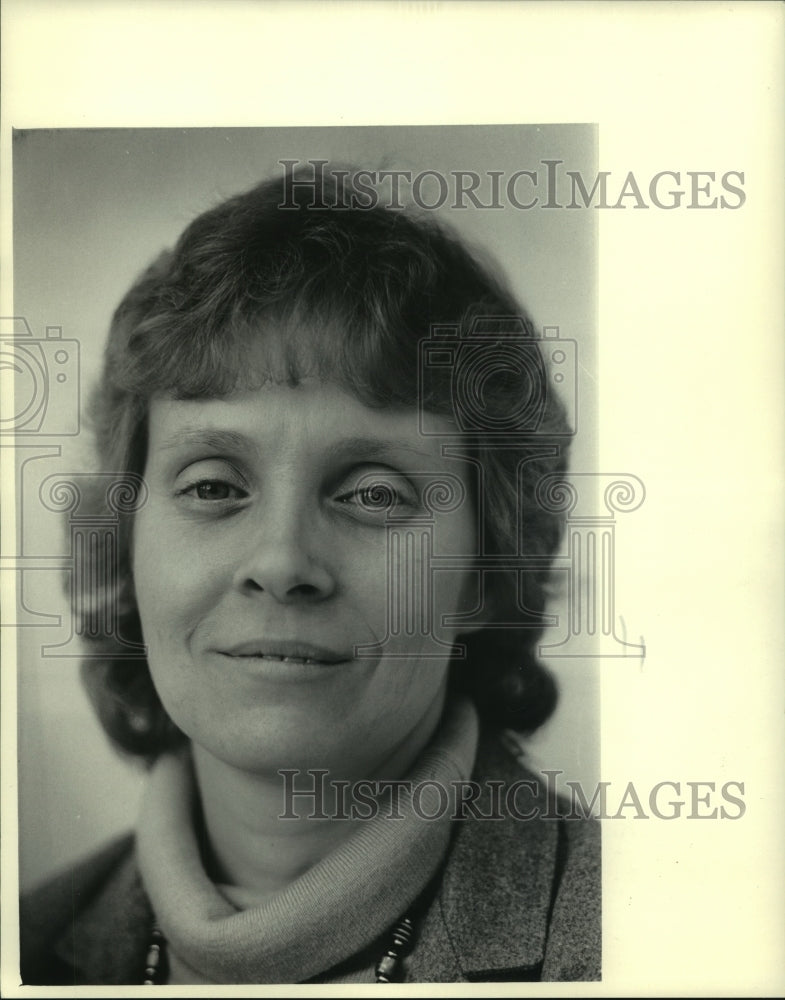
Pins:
<point x="260" y="563"/>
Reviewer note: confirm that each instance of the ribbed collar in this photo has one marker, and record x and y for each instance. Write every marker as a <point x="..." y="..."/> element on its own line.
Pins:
<point x="331" y="912"/>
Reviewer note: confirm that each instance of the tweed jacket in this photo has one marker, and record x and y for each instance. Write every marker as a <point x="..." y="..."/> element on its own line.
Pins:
<point x="518" y="901"/>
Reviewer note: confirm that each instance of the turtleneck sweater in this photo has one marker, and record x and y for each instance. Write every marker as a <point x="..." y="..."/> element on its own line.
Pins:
<point x="334" y="910"/>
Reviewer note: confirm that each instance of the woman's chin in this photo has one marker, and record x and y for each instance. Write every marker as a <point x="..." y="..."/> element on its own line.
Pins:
<point x="270" y="746"/>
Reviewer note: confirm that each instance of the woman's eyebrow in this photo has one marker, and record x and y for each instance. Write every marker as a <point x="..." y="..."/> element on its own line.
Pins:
<point x="373" y="447"/>
<point x="352" y="448"/>
<point x="220" y="440"/>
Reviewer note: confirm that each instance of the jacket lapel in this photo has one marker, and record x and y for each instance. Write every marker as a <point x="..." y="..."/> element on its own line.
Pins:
<point x="106" y="942"/>
<point x="495" y="899"/>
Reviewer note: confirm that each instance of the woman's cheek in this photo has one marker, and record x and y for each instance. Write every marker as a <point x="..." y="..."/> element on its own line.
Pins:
<point x="168" y="577"/>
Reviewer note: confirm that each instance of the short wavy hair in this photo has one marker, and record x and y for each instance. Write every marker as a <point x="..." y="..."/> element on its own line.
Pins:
<point x="355" y="290"/>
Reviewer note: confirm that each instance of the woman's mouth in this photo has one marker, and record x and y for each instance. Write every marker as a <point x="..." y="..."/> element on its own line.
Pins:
<point x="286" y="651"/>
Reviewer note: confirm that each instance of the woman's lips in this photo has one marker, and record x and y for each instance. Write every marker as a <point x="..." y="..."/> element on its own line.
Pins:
<point x="286" y="651"/>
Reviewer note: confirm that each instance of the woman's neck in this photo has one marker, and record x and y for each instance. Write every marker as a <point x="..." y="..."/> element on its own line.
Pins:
<point x="261" y="841"/>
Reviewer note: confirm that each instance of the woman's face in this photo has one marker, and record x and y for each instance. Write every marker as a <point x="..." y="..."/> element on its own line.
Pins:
<point x="259" y="568"/>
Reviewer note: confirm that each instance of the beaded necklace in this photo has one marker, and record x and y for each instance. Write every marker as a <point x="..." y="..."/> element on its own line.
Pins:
<point x="389" y="968"/>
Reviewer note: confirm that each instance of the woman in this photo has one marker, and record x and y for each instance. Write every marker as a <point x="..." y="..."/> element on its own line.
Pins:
<point x="331" y="652"/>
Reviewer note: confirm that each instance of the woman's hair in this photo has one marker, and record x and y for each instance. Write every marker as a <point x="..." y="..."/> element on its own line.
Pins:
<point x="347" y="294"/>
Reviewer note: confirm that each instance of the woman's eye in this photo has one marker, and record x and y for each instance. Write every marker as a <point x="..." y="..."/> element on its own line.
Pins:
<point x="213" y="491"/>
<point x="211" y="483"/>
<point x="380" y="498"/>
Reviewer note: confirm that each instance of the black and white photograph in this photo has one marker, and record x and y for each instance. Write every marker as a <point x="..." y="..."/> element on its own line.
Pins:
<point x="316" y="561"/>
<point x="382" y="599"/>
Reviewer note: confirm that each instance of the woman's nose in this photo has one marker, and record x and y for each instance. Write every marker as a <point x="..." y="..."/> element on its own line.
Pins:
<point x="281" y="561"/>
